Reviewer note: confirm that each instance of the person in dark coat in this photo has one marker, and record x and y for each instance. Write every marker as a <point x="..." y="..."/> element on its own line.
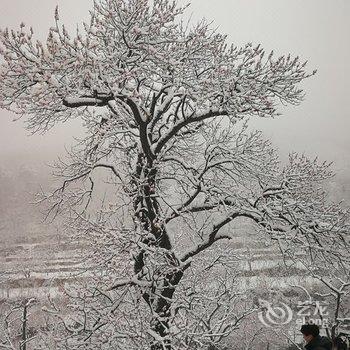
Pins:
<point x="339" y="343"/>
<point x="311" y="334"/>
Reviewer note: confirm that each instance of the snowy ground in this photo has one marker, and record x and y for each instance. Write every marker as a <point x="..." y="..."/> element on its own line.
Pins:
<point x="38" y="269"/>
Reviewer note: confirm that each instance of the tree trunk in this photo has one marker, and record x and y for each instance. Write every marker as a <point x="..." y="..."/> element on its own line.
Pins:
<point x="162" y="307"/>
<point x="23" y="345"/>
<point x="147" y="211"/>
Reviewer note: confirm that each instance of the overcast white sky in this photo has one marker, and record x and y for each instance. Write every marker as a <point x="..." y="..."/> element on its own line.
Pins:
<point x="316" y="30"/>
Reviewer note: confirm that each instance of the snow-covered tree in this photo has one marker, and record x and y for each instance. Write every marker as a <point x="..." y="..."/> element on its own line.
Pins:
<point x="15" y="331"/>
<point x="329" y="299"/>
<point x="165" y="105"/>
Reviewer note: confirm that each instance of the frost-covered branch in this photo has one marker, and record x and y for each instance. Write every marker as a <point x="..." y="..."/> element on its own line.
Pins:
<point x="166" y="166"/>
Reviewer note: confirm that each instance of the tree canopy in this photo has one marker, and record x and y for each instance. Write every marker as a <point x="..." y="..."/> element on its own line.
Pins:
<point x="165" y="105"/>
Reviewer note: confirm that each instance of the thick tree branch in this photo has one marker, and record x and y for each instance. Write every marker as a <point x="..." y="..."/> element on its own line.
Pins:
<point x="87" y="101"/>
<point x="212" y="237"/>
<point x="177" y="127"/>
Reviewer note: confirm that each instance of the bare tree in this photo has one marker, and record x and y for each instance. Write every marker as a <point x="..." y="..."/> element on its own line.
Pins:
<point x="164" y="106"/>
<point x="16" y="333"/>
<point x="330" y="299"/>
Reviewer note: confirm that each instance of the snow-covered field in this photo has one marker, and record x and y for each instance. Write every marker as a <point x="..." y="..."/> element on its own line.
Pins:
<point x="39" y="269"/>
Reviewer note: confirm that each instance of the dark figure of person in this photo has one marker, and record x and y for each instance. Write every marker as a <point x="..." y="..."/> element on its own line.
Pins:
<point x="340" y="344"/>
<point x="311" y="334"/>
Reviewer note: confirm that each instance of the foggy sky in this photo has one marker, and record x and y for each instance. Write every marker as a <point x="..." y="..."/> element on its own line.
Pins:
<point x="316" y="30"/>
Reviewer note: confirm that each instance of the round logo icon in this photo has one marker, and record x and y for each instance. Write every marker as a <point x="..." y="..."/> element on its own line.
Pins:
<point x="272" y="315"/>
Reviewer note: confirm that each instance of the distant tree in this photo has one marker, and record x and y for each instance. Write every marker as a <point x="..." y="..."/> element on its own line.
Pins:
<point x="16" y="332"/>
<point x="164" y="105"/>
